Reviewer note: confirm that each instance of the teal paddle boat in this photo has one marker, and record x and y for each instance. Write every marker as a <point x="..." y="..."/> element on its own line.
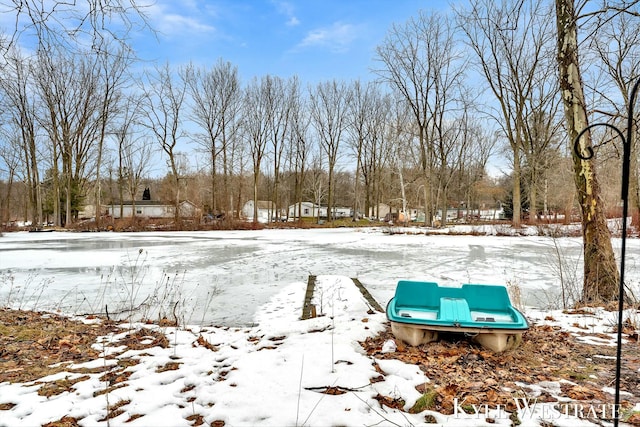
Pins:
<point x="420" y="310"/>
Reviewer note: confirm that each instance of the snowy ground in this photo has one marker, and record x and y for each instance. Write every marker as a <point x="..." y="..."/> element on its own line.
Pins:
<point x="272" y="371"/>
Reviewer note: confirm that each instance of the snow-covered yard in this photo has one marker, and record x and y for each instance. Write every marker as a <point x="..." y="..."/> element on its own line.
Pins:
<point x="262" y="365"/>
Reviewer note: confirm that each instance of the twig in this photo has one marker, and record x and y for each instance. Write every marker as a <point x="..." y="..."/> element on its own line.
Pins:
<point x="316" y="405"/>
<point x="175" y="316"/>
<point x="299" y="390"/>
<point x="376" y="412"/>
<point x="104" y="359"/>
<point x="338" y="387"/>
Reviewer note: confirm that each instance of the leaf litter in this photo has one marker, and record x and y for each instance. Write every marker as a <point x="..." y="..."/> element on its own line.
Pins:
<point x="462" y="372"/>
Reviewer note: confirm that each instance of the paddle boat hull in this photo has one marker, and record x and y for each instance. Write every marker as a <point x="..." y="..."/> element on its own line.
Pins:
<point x="419" y="311"/>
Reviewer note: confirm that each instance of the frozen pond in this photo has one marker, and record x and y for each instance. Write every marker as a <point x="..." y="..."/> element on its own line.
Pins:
<point x="221" y="277"/>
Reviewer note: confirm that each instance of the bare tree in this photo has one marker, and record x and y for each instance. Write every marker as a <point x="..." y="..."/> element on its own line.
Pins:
<point x="541" y="142"/>
<point x="256" y="128"/>
<point x="216" y="97"/>
<point x="448" y="131"/>
<point x="357" y="133"/>
<point x="399" y="136"/>
<point x="601" y="274"/>
<point x="19" y="105"/>
<point x="365" y="110"/>
<point x="413" y="56"/>
<point x="542" y="128"/>
<point x="164" y="96"/>
<point x="280" y="101"/>
<point x="236" y="160"/>
<point x="111" y="66"/>
<point x="329" y="105"/>
<point x="134" y="151"/>
<point x="70" y="25"/>
<point x="381" y="146"/>
<point x="478" y="145"/>
<point x="317" y="182"/>
<point x="300" y="146"/>
<point x="10" y="162"/>
<point x="69" y="89"/>
<point x="616" y="46"/>
<point x="75" y="27"/>
<point x="510" y="39"/>
<point x="451" y="152"/>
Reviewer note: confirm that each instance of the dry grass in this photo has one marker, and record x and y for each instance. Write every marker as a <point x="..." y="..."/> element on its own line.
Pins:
<point x="34" y="345"/>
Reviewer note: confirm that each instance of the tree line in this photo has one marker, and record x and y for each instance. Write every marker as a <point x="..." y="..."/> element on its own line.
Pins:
<point x="82" y="122"/>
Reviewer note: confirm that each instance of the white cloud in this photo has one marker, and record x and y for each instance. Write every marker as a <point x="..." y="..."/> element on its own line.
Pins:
<point x="293" y="22"/>
<point x="287" y="9"/>
<point x="170" y="23"/>
<point x="173" y="23"/>
<point x="337" y="37"/>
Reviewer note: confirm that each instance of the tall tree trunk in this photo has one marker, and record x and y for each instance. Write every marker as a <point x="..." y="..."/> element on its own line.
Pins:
<point x="443" y="195"/>
<point x="55" y="179"/>
<point x="426" y="175"/>
<point x="356" y="182"/>
<point x="68" y="177"/>
<point x="255" y="197"/>
<point x="533" y="196"/>
<point x="227" y="196"/>
<point x="330" y="191"/>
<point x="516" y="222"/>
<point x="601" y="275"/>
<point x="5" y="204"/>
<point x="533" y="202"/>
<point x="634" y="181"/>
<point x="121" y="183"/>
<point x="213" y="182"/>
<point x="101" y="137"/>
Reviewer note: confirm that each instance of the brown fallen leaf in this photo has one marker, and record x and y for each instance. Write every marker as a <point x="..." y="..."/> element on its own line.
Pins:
<point x="206" y="344"/>
<point x="63" y="422"/>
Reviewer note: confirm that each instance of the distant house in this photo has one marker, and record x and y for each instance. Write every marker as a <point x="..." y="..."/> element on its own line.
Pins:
<point x="152" y="209"/>
<point x="266" y="211"/>
<point x="306" y="210"/>
<point x="341" y="212"/>
<point x="311" y="210"/>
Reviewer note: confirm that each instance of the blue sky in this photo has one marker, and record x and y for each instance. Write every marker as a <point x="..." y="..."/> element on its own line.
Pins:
<point x="314" y="39"/>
